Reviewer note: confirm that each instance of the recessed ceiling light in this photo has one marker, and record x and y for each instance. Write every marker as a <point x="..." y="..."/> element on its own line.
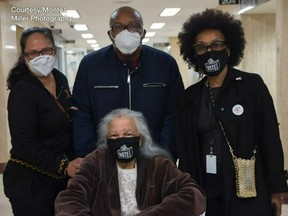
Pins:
<point x="122" y="1"/>
<point x="150" y="34"/>
<point x="9" y="47"/>
<point x="157" y="25"/>
<point x="71" y="13"/>
<point x="80" y="27"/>
<point x="13" y="28"/>
<point x="145" y="40"/>
<point x="91" y="41"/>
<point x="95" y="45"/>
<point x="243" y="10"/>
<point x="86" y="36"/>
<point x="170" y="12"/>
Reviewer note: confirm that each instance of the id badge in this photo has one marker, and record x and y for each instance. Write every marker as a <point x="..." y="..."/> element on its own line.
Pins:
<point x="211" y="164"/>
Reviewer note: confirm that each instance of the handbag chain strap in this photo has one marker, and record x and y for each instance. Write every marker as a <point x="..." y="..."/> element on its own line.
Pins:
<point x="230" y="148"/>
<point x="222" y="128"/>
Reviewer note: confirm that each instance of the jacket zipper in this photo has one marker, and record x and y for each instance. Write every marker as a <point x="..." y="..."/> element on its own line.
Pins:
<point x="60" y="92"/>
<point x="129" y="86"/>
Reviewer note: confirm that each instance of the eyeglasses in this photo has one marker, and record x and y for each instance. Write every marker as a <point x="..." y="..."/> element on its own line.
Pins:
<point x="33" y="53"/>
<point x="201" y="48"/>
<point x="132" y="27"/>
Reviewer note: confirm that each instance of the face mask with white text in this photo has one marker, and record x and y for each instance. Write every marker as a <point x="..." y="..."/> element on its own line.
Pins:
<point x="213" y="62"/>
<point x="124" y="149"/>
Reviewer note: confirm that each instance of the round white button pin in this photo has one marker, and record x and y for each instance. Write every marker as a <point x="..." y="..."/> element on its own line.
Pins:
<point x="237" y="109"/>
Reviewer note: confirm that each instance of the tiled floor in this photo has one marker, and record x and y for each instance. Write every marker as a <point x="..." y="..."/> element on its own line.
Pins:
<point x="5" y="208"/>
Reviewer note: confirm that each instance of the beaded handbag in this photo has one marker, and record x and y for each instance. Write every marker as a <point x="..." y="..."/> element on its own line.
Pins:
<point x="244" y="173"/>
<point x="245" y="177"/>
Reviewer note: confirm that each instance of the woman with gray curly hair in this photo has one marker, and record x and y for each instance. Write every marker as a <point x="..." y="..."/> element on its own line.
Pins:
<point x="129" y="175"/>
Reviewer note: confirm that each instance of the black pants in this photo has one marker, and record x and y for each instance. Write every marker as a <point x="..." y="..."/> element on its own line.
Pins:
<point x="31" y="193"/>
<point x="214" y="194"/>
<point x="215" y="206"/>
<point x="34" y="204"/>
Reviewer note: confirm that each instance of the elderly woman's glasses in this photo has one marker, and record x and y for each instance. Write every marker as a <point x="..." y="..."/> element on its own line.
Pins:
<point x="132" y="27"/>
<point x="33" y="53"/>
<point x="202" y="48"/>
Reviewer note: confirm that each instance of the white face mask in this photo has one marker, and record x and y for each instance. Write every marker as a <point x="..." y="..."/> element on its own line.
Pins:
<point x="42" y="65"/>
<point x="127" y="42"/>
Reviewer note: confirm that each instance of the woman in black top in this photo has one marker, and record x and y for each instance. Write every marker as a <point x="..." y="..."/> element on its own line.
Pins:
<point x="228" y="114"/>
<point x="40" y="128"/>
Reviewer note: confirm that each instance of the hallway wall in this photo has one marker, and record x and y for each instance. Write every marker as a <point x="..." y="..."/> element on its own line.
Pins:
<point x="9" y="51"/>
<point x="281" y="68"/>
<point x="8" y="56"/>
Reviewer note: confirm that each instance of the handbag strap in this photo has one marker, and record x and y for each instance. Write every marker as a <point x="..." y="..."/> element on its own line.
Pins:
<point x="61" y="107"/>
<point x="230" y="148"/>
<point x="222" y="128"/>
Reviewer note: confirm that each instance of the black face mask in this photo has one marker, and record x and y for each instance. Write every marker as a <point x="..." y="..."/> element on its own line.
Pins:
<point x="124" y="149"/>
<point x="213" y="62"/>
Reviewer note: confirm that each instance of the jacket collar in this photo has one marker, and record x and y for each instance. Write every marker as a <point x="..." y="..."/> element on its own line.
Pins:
<point x="145" y="51"/>
<point x="111" y="165"/>
<point x="30" y="78"/>
<point x="193" y="92"/>
<point x="112" y="180"/>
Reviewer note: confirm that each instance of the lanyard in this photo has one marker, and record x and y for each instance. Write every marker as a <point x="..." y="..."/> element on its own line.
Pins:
<point x="212" y="138"/>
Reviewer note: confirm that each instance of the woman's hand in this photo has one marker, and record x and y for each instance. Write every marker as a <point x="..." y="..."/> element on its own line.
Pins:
<point x="277" y="200"/>
<point x="74" y="166"/>
<point x="285" y="198"/>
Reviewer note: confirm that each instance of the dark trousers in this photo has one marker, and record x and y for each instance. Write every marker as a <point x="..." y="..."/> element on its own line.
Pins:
<point x="215" y="206"/>
<point x="31" y="193"/>
<point x="34" y="204"/>
<point x="214" y="192"/>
